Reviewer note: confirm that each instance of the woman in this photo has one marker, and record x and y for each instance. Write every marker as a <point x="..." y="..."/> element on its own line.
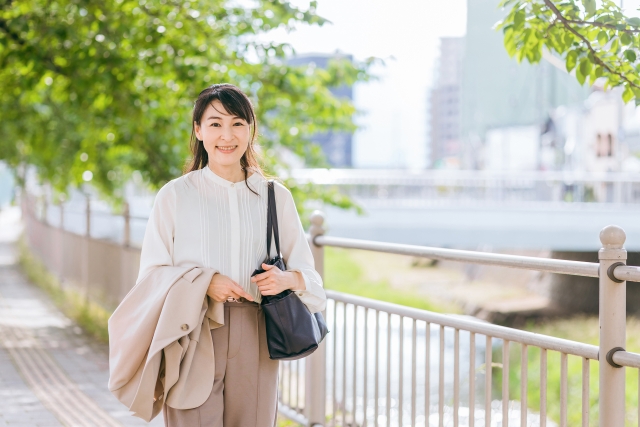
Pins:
<point x="214" y="217"/>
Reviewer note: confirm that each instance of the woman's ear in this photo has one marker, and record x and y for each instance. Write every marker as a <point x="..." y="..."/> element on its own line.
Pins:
<point x="196" y="127"/>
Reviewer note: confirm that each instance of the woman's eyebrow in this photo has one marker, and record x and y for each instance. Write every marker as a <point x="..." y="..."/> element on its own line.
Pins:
<point x="220" y="118"/>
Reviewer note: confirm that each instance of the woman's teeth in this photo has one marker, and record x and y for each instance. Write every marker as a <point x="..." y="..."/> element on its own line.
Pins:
<point x="227" y="149"/>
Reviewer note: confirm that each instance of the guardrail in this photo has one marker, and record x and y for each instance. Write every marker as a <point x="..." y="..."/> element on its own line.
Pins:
<point x="443" y="186"/>
<point x="408" y="395"/>
<point x="385" y="364"/>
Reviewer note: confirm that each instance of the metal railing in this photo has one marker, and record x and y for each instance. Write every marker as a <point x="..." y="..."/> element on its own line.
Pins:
<point x="390" y="365"/>
<point x="412" y="379"/>
<point x="427" y="187"/>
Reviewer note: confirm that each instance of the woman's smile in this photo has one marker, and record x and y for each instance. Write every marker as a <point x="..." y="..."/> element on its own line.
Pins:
<point x="227" y="148"/>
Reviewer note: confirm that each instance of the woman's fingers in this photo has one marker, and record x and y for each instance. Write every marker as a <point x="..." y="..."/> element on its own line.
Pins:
<point x="268" y="291"/>
<point x="260" y="276"/>
<point x="237" y="290"/>
<point x="270" y="271"/>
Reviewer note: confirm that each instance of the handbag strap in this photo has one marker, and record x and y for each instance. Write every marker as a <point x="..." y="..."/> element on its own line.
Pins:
<point x="272" y="220"/>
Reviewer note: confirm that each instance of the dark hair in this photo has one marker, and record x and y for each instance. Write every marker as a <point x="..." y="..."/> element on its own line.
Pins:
<point x="236" y="103"/>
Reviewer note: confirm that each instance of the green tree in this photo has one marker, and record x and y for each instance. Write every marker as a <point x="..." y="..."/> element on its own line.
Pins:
<point x="108" y="86"/>
<point x="595" y="39"/>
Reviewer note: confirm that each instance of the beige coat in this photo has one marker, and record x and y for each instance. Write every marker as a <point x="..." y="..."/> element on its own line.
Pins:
<point x="160" y="347"/>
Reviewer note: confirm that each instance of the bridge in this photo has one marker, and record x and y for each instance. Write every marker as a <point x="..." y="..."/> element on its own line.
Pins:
<point x="459" y="209"/>
<point x="471" y="209"/>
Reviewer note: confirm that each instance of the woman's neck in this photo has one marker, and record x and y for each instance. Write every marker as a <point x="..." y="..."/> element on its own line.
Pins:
<point x="232" y="173"/>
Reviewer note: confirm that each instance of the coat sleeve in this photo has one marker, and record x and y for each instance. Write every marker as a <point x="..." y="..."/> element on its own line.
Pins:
<point x="157" y="245"/>
<point x="297" y="253"/>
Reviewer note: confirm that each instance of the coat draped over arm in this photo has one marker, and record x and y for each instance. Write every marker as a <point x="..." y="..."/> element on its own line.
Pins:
<point x="160" y="347"/>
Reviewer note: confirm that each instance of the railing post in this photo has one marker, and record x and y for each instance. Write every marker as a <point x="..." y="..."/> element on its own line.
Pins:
<point x="87" y="248"/>
<point x="126" y="238"/>
<point x="61" y="240"/>
<point x="45" y="208"/>
<point x="315" y="370"/>
<point x="87" y="212"/>
<point x="613" y="293"/>
<point x="61" y="224"/>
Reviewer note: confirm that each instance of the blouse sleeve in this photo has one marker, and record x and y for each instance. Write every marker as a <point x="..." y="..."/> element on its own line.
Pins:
<point x="157" y="245"/>
<point x="297" y="254"/>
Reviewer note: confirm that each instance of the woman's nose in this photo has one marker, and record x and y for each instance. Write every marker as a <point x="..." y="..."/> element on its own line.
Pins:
<point x="227" y="133"/>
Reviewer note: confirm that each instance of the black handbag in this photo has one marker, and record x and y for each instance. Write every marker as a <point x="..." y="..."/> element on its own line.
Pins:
<point x="293" y="332"/>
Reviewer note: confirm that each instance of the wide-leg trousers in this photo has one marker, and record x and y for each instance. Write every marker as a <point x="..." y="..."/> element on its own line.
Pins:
<point x="245" y="387"/>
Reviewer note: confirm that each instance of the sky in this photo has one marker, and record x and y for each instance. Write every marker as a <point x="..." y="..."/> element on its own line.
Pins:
<point x="405" y="34"/>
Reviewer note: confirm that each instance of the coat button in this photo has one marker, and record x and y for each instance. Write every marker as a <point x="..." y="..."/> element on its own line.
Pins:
<point x="184" y="327"/>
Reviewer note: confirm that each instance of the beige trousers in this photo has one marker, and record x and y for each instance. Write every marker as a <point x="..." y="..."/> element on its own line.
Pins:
<point x="245" y="386"/>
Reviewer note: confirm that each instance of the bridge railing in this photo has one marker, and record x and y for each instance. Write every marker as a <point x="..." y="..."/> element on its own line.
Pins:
<point x="385" y="364"/>
<point x="384" y="187"/>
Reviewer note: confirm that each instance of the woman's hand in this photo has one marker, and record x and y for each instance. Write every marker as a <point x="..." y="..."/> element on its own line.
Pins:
<point x="273" y="280"/>
<point x="222" y="288"/>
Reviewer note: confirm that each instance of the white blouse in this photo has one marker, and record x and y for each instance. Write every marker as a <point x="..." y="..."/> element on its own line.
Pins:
<point x="203" y="220"/>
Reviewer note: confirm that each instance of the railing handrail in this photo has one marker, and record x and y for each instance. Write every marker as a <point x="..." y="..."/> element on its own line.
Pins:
<point x="558" y="266"/>
<point x="458" y="322"/>
<point x="337" y="176"/>
<point x="625" y="358"/>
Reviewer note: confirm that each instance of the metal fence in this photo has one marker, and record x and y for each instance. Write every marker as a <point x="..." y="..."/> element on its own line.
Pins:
<point x="384" y="187"/>
<point x="390" y="365"/>
<point x="101" y="270"/>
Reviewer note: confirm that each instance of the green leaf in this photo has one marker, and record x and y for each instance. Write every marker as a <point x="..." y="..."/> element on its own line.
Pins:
<point x="635" y="21"/>
<point x="589" y="6"/>
<point x="603" y="38"/>
<point x="627" y="95"/>
<point x="518" y="19"/>
<point x="572" y="59"/>
<point x="614" y="47"/>
<point x="598" y="72"/>
<point x="630" y="55"/>
<point x="579" y="76"/>
<point x="585" y="66"/>
<point x="626" y="39"/>
<point x="568" y="39"/>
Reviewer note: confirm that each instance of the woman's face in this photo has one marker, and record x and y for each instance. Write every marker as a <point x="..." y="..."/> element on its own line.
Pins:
<point x="225" y="136"/>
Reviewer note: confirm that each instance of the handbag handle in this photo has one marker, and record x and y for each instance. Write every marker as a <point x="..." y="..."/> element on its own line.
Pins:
<point x="272" y="220"/>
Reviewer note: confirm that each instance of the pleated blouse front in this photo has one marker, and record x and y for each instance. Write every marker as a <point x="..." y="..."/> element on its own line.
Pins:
<point x="203" y="220"/>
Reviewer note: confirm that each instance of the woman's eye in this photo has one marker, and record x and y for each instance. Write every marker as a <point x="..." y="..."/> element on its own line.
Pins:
<point x="215" y="124"/>
<point x="238" y="124"/>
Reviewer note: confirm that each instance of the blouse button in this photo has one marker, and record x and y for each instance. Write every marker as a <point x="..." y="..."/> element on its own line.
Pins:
<point x="184" y="327"/>
<point x="232" y="184"/>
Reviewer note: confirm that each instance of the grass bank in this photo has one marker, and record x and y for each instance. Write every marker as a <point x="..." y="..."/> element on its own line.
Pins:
<point x="367" y="274"/>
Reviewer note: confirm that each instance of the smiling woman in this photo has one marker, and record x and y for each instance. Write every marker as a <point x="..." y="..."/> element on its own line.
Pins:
<point x="224" y="128"/>
<point x="214" y="219"/>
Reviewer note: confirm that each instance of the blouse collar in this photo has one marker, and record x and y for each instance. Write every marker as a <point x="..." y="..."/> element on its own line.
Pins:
<point x="253" y="179"/>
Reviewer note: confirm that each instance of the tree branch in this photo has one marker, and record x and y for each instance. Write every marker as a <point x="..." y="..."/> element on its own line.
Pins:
<point x="597" y="59"/>
<point x="602" y="25"/>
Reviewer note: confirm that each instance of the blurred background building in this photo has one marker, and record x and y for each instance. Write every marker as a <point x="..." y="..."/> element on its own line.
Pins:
<point x="444" y="105"/>
<point x="486" y="110"/>
<point x="337" y="146"/>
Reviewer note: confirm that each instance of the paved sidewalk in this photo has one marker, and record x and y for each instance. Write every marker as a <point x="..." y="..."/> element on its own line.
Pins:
<point x="51" y="373"/>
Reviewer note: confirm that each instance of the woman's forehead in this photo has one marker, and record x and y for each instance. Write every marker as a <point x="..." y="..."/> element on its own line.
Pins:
<point x="216" y="110"/>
